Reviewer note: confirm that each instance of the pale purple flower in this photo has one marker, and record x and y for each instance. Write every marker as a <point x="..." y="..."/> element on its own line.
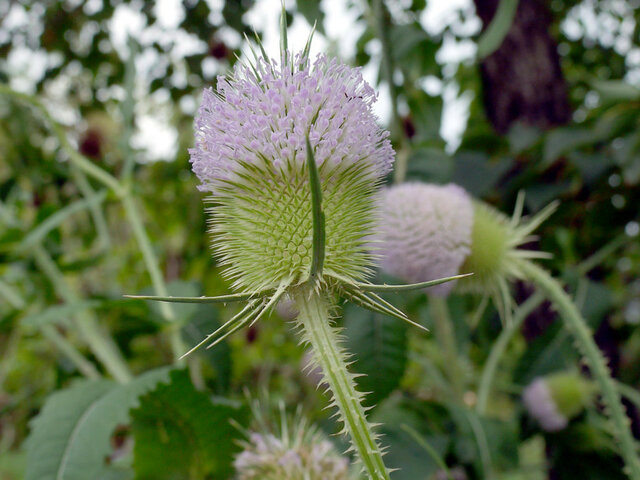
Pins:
<point x="261" y="118"/>
<point x="424" y="232"/>
<point x="539" y="402"/>
<point x="306" y="455"/>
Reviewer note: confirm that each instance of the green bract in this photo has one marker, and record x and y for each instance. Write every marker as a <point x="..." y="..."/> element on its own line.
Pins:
<point x="496" y="254"/>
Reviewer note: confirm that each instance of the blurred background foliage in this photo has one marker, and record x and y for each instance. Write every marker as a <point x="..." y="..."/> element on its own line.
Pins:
<point x="546" y="100"/>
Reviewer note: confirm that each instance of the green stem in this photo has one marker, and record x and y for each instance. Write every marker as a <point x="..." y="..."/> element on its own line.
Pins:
<point x="315" y="323"/>
<point x="127" y="110"/>
<point x="94" y="207"/>
<point x="382" y="29"/>
<point x="111" y="182"/>
<point x="602" y="254"/>
<point x="499" y="347"/>
<point x="83" y="365"/>
<point x="149" y="257"/>
<point x="100" y="343"/>
<point x="597" y="364"/>
<point x="445" y="336"/>
<point x="79" y="160"/>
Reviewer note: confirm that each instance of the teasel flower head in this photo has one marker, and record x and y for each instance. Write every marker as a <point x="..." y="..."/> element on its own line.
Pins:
<point x="555" y="399"/>
<point x="251" y="155"/>
<point x="292" y="158"/>
<point x="294" y="450"/>
<point x="424" y="232"/>
<point x="428" y="231"/>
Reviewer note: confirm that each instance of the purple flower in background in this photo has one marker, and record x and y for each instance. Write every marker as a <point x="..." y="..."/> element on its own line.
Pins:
<point x="539" y="402"/>
<point x="424" y="232"/>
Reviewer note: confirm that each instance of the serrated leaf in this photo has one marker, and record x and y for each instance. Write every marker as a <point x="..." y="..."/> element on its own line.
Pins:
<point x="180" y="434"/>
<point x="53" y="428"/>
<point x="379" y="346"/>
<point x="70" y="439"/>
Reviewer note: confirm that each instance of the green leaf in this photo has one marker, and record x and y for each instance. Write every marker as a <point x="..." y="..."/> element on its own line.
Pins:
<point x="477" y="173"/>
<point x="54" y="221"/>
<point x="498" y="29"/>
<point x="180" y="434"/>
<point x="563" y="140"/>
<point x="70" y="438"/>
<point x="235" y="297"/>
<point x="409" y="286"/>
<point x="113" y="473"/>
<point x="54" y="428"/>
<point x="379" y="346"/>
<point x="59" y="314"/>
<point x="616" y="90"/>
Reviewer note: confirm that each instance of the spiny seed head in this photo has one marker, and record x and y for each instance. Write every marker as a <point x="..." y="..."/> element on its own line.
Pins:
<point x="251" y="152"/>
<point x="555" y="399"/>
<point x="424" y="232"/>
<point x="297" y="451"/>
<point x="431" y="231"/>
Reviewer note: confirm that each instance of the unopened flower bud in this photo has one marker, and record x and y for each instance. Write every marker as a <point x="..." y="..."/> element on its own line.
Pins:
<point x="556" y="399"/>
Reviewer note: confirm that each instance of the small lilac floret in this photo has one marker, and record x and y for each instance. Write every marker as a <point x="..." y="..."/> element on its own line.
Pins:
<point x="265" y="119"/>
<point x="538" y="400"/>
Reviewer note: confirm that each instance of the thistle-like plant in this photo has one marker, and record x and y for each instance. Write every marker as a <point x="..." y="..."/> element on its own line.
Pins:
<point x="291" y="450"/>
<point x="409" y="228"/>
<point x="429" y="231"/>
<point x="292" y="157"/>
<point x="555" y="399"/>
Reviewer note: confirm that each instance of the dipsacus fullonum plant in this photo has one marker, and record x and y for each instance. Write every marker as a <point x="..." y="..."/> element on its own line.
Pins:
<point x="292" y="450"/>
<point x="557" y="398"/>
<point x="426" y="231"/>
<point x="292" y="158"/>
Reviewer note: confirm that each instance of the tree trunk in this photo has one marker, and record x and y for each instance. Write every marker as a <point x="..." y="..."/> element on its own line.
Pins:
<point x="522" y="80"/>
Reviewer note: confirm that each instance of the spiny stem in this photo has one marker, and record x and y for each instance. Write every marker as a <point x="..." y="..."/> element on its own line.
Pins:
<point x="597" y="364"/>
<point x="315" y="321"/>
<point x="499" y="347"/>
